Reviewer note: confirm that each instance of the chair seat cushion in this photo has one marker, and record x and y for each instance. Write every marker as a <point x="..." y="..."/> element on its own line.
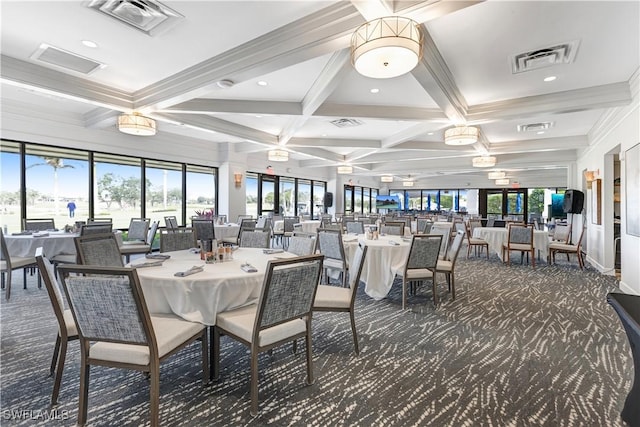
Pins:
<point x="18" y="262"/>
<point x="240" y="323"/>
<point x="563" y="247"/>
<point x="72" y="331"/>
<point x="65" y="259"/>
<point x="333" y="263"/>
<point x="519" y="247"/>
<point x="444" y="265"/>
<point x="332" y="297"/>
<point x="476" y="241"/>
<point x="170" y="330"/>
<point x="419" y="273"/>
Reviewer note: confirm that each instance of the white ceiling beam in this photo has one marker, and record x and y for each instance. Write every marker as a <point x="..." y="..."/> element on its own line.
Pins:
<point x="373" y="9"/>
<point x="319" y="153"/>
<point x="330" y="77"/>
<point x="100" y="117"/>
<point x="546" y="144"/>
<point x="382" y="112"/>
<point x="210" y="106"/>
<point x="424" y="11"/>
<point x="326" y="142"/>
<point x="407" y="134"/>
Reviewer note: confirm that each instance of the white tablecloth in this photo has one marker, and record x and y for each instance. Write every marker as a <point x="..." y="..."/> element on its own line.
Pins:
<point x="201" y="296"/>
<point x="414" y="225"/>
<point x="56" y="243"/>
<point x="226" y="231"/>
<point x="308" y="226"/>
<point x="382" y="261"/>
<point x="497" y="236"/>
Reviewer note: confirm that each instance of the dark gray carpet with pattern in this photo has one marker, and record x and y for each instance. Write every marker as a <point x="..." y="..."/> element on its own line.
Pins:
<point x="518" y="347"/>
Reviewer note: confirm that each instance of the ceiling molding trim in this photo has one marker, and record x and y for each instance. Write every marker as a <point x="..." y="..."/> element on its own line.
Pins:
<point x="326" y="142"/>
<point x="21" y="73"/>
<point x="211" y="106"/>
<point x="538" y="145"/>
<point x="100" y="117"/>
<point x="421" y="11"/>
<point x="407" y="134"/>
<point x="321" y="154"/>
<point x="382" y="112"/>
<point x="314" y="35"/>
<point x="373" y="9"/>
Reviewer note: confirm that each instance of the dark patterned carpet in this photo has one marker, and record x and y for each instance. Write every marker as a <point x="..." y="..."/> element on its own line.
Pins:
<point x="518" y="347"/>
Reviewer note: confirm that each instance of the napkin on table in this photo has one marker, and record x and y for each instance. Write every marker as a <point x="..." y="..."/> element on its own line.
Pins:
<point x="248" y="268"/>
<point x="273" y="251"/>
<point x="157" y="256"/>
<point x="193" y="270"/>
<point x="152" y="263"/>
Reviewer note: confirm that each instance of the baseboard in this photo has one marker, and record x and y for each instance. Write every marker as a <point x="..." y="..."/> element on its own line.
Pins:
<point x="628" y="289"/>
<point x="602" y="269"/>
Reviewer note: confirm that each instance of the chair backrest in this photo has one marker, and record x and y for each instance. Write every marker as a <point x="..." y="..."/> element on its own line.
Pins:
<point x="98" y="250"/>
<point x="562" y="233"/>
<point x="330" y="244"/>
<point x="499" y="223"/>
<point x="288" y="291"/>
<point x="579" y="244"/>
<point x="241" y="217"/>
<point x="289" y="221"/>
<point x="355" y="270"/>
<point x="422" y="224"/>
<point x="220" y="219"/>
<point x="454" y="249"/>
<point x="445" y="232"/>
<point x="248" y="223"/>
<point x="177" y="239"/>
<point x="151" y="235"/>
<point x="108" y="305"/>
<point x="473" y="224"/>
<point x="356" y="227"/>
<point x="491" y="222"/>
<point x="302" y="245"/>
<point x="348" y="217"/>
<point x="394" y="228"/>
<point x="101" y="220"/>
<point x="96" y="228"/>
<point x="254" y="238"/>
<point x="424" y="252"/>
<point x="53" y="289"/>
<point x="520" y="234"/>
<point x="4" y="251"/>
<point x="262" y="221"/>
<point x="39" y="224"/>
<point x="171" y="222"/>
<point x="204" y="228"/>
<point x="459" y="226"/>
<point x="138" y="229"/>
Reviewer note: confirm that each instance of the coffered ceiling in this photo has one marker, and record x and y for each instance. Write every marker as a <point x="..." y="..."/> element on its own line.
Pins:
<point x="300" y="49"/>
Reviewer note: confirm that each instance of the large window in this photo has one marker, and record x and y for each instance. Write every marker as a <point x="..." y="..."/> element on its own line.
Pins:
<point x="287" y="196"/>
<point x="267" y="194"/>
<point x="251" y="183"/>
<point x="359" y="199"/>
<point x="10" y="195"/>
<point x="318" y="198"/>
<point x="163" y="191"/>
<point x="366" y="200"/>
<point x="304" y="197"/>
<point x="413" y="200"/>
<point x="119" y="189"/>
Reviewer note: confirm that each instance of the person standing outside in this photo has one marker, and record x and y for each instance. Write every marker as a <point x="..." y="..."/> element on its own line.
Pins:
<point x="72" y="208"/>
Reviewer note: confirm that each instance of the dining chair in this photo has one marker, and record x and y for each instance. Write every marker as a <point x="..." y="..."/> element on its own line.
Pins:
<point x="241" y="217"/>
<point x="171" y="222"/>
<point x="288" y="229"/>
<point x="356" y="227"/>
<point x="177" y="239"/>
<point x="337" y="299"/>
<point x="393" y="228"/>
<point x="8" y="263"/>
<point x="204" y="228"/>
<point x="301" y="245"/>
<point x="98" y="250"/>
<point x="421" y="263"/>
<point x="445" y="232"/>
<point x="519" y="238"/>
<point x="447" y="265"/>
<point x="423" y="225"/>
<point x="245" y="224"/>
<point x="67" y="330"/>
<point x="329" y="244"/>
<point x="475" y="242"/>
<point x="131" y="248"/>
<point x="116" y="329"/>
<point x="38" y="224"/>
<point x="99" y="220"/>
<point x="283" y="314"/>
<point x="255" y="239"/>
<point x="567" y="248"/>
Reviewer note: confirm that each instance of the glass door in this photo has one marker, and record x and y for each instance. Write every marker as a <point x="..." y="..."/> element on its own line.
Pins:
<point x="494" y="204"/>
<point x="268" y="195"/>
<point x="516" y="205"/>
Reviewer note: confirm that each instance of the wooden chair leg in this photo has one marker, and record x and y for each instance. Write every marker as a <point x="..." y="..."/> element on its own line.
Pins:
<point x="84" y="386"/>
<point x="7" y="292"/>
<point x="307" y="339"/>
<point x="24" y="284"/>
<point x="54" y="359"/>
<point x="60" y="368"/>
<point x="353" y="330"/>
<point x="254" y="382"/>
<point x="434" y="290"/>
<point x="154" y="392"/>
<point x="205" y="358"/>
<point x="453" y="286"/>
<point x="214" y="357"/>
<point x="404" y="293"/>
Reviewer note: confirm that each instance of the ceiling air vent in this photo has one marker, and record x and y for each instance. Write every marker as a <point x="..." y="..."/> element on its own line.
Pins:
<point x="346" y="123"/>
<point x="148" y="16"/>
<point x="67" y="60"/>
<point x="560" y="54"/>
<point x="535" y="127"/>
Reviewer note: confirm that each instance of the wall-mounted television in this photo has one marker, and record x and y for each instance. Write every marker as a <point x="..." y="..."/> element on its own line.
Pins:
<point x="387" y="202"/>
<point x="557" y="202"/>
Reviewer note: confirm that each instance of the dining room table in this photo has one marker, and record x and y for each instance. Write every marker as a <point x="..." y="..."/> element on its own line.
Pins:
<point x="386" y="256"/>
<point x="227" y="230"/>
<point x="307" y="225"/>
<point x="496" y="237"/>
<point x="53" y="243"/>
<point x="211" y="288"/>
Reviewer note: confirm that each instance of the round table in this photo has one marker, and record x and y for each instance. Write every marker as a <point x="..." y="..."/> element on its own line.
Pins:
<point x="52" y="242"/>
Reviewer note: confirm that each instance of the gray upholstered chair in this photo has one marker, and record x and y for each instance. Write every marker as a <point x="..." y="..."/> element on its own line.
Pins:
<point x="302" y="244"/>
<point x="421" y="263"/>
<point x="138" y="229"/>
<point x="241" y="217"/>
<point x="116" y="329"/>
<point x="356" y="227"/>
<point x="39" y="224"/>
<point x="9" y="263"/>
<point x="245" y="224"/>
<point x="445" y="232"/>
<point x="567" y="248"/>
<point x="255" y="239"/>
<point x="67" y="330"/>
<point x="286" y="232"/>
<point x="393" y="228"/>
<point x="177" y="239"/>
<point x="329" y="244"/>
<point x="129" y="248"/>
<point x="283" y="314"/>
<point x="333" y="298"/>
<point x="99" y="220"/>
<point x="519" y="238"/>
<point x="204" y="228"/>
<point x="98" y="250"/>
<point x="171" y="222"/>
<point x="423" y="225"/>
<point x="475" y="242"/>
<point x="96" y="228"/>
<point x="447" y="265"/>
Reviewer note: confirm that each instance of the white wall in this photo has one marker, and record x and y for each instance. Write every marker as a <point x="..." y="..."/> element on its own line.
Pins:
<point x="617" y="131"/>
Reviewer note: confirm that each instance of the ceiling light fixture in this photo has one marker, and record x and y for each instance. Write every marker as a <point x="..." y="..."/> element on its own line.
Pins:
<point x="496" y="175"/>
<point x="484" y="162"/>
<point x="386" y="47"/>
<point x="345" y="169"/>
<point x="503" y="181"/>
<point x="224" y="84"/>
<point x="461" y="135"/>
<point x="278" y="155"/>
<point x="89" y="43"/>
<point x="386" y="178"/>
<point x="407" y="183"/>
<point x="262" y="83"/>
<point x="549" y="79"/>
<point x="136" y="124"/>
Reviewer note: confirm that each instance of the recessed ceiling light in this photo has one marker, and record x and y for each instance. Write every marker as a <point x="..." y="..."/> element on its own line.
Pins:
<point x="540" y="132"/>
<point x="324" y="134"/>
<point x="262" y="83"/>
<point x="430" y="133"/>
<point x="549" y="79"/>
<point x="375" y="90"/>
<point x="89" y="43"/>
<point x="258" y="116"/>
